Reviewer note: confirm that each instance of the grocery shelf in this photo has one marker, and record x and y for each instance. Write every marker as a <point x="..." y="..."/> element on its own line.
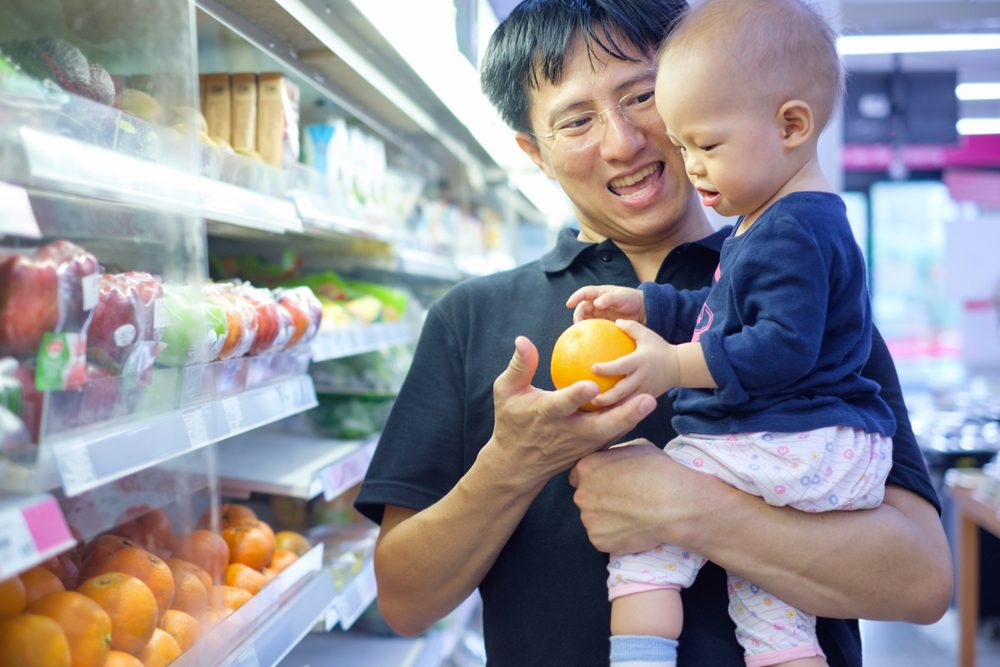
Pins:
<point x="316" y="216"/>
<point x="350" y="650"/>
<point x="355" y="597"/>
<point x="32" y="530"/>
<point x="346" y="342"/>
<point x="428" y="264"/>
<point x="265" y="629"/>
<point x="67" y="165"/>
<point x="269" y="461"/>
<point x="85" y="458"/>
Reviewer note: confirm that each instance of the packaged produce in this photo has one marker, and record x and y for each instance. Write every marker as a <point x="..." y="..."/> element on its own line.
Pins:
<point x="128" y="322"/>
<point x="49" y="290"/>
<point x="60" y="62"/>
<point x="196" y="327"/>
<point x="241" y="320"/>
<point x="274" y="323"/>
<point x="306" y="312"/>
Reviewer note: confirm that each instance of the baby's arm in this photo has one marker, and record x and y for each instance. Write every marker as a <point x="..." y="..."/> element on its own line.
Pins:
<point x="654" y="368"/>
<point x="607" y="302"/>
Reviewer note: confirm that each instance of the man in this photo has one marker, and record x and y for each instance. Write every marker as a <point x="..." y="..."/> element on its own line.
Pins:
<point x="472" y="478"/>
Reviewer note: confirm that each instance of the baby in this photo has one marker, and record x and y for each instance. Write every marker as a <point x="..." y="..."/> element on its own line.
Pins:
<point x="767" y="361"/>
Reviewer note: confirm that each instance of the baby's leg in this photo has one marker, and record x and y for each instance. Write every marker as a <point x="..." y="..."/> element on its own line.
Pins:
<point x="770" y="631"/>
<point x="646" y="611"/>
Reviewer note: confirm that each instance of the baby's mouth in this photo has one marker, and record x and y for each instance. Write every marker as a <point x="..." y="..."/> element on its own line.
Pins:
<point x="627" y="186"/>
<point x="709" y="198"/>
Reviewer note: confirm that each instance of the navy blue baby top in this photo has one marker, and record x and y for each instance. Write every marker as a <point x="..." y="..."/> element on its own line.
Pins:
<point x="785" y="328"/>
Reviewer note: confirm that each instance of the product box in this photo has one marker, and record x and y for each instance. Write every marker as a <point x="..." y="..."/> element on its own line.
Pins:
<point x="245" y="111"/>
<point x="201" y="94"/>
<point x="218" y="106"/>
<point x="277" y="119"/>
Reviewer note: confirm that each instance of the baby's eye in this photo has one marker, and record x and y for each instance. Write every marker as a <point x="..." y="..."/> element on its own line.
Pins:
<point x="708" y="148"/>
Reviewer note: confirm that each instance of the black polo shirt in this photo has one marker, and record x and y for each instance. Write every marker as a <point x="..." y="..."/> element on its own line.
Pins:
<point x="546" y="599"/>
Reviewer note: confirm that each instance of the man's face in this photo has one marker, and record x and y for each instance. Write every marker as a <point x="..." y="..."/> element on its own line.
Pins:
<point x="728" y="134"/>
<point x="596" y="179"/>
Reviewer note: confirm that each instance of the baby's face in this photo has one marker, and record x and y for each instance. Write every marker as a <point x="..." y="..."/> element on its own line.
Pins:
<point x="728" y="135"/>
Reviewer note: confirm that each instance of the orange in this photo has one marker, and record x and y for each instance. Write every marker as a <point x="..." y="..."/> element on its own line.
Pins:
<point x="206" y="550"/>
<point x="250" y="545"/>
<point x="38" y="582"/>
<point x="149" y="530"/>
<point x="229" y="515"/>
<point x="86" y="625"/>
<point x="161" y="650"/>
<point x="214" y="617"/>
<point x="231" y="597"/>
<point x="190" y="594"/>
<point x="581" y="346"/>
<point x="131" y="606"/>
<point x="13" y="596"/>
<point x="146" y="567"/>
<point x="282" y="559"/>
<point x="239" y="575"/>
<point x="182" y="627"/>
<point x="267" y="531"/>
<point x="268" y="575"/>
<point x="105" y="545"/>
<point x="122" y="659"/>
<point x="30" y="640"/>
<point x="176" y="564"/>
<point x="292" y="541"/>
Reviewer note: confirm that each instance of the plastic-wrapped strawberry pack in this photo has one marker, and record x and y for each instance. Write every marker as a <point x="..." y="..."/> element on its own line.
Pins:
<point x="125" y="333"/>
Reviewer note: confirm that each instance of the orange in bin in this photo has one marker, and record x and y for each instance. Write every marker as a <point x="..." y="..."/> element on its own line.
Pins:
<point x="131" y="606"/>
<point x="86" y="625"/>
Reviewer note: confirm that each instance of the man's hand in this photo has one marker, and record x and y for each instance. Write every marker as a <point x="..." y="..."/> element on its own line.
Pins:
<point x="538" y="434"/>
<point x="633" y="497"/>
<point x="608" y="302"/>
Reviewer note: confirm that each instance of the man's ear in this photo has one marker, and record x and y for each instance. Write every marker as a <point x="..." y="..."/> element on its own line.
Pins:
<point x="795" y="119"/>
<point x="533" y="151"/>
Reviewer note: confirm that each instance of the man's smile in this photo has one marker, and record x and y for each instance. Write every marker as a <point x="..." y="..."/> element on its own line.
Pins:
<point x="631" y="184"/>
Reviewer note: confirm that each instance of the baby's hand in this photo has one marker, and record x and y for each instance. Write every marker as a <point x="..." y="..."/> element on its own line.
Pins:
<point x="652" y="369"/>
<point x="608" y="302"/>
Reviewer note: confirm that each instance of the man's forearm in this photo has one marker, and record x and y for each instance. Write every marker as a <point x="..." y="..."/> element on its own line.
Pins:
<point x="428" y="562"/>
<point x="889" y="563"/>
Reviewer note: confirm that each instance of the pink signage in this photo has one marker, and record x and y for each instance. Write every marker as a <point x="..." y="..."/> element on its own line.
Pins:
<point x="975" y="150"/>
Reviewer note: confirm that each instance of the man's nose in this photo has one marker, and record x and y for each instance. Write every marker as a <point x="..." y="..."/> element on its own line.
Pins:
<point x="621" y="139"/>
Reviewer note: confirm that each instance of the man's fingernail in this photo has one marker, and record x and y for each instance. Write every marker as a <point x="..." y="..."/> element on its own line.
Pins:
<point x="647" y="405"/>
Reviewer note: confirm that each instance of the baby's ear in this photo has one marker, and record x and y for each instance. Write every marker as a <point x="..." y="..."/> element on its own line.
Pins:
<point x="795" y="118"/>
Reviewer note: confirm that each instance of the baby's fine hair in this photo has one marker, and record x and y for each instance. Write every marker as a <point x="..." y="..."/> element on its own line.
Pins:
<point x="784" y="47"/>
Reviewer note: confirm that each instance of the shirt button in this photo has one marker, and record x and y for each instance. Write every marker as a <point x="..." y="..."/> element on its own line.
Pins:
<point x="605" y="256"/>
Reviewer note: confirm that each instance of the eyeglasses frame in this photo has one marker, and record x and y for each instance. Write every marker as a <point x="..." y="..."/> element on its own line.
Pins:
<point x="600" y="114"/>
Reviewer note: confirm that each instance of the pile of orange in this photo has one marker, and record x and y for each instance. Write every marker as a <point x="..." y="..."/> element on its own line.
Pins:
<point x="140" y="596"/>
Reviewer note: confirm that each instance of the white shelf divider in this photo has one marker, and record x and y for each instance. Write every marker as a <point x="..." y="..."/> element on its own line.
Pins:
<point x="299" y="466"/>
<point x="66" y="165"/>
<point x="32" y="530"/>
<point x="85" y="459"/>
<point x="349" y="341"/>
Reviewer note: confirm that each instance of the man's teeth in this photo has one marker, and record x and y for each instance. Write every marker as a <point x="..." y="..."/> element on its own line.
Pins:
<point x="634" y="178"/>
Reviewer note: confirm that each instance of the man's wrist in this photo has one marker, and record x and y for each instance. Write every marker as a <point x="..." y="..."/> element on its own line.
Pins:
<point x="496" y="471"/>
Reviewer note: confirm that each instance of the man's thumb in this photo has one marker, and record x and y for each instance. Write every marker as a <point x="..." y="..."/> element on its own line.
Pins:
<point x="522" y="365"/>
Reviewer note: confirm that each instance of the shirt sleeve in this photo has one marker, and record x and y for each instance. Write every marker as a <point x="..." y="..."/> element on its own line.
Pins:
<point x="781" y="284"/>
<point x="672" y="313"/>
<point x="419" y="457"/>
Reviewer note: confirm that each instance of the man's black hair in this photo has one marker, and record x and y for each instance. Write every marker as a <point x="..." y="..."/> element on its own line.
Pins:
<point x="530" y="45"/>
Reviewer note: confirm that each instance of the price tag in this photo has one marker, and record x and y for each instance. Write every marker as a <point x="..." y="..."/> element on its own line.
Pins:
<point x="91" y="291"/>
<point x="159" y="313"/>
<point x="234" y="414"/>
<point x="194" y="422"/>
<point x="76" y="469"/>
<point x="332" y="482"/>
<point x="17" y="218"/>
<point x="17" y="547"/>
<point x="287" y="394"/>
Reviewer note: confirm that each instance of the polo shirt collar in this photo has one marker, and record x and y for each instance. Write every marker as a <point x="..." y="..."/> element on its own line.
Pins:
<point x="568" y="247"/>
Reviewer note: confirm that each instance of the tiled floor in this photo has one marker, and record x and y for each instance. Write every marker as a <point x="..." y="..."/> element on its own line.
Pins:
<point x="905" y="645"/>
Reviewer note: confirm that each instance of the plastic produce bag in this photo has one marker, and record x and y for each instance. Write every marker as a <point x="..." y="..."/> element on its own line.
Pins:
<point x="241" y="320"/>
<point x="196" y="328"/>
<point x="274" y="322"/>
<point x="306" y="312"/>
<point x="128" y="323"/>
<point x="51" y="290"/>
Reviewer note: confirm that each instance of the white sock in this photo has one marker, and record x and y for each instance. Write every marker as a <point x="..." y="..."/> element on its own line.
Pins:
<point x="643" y="651"/>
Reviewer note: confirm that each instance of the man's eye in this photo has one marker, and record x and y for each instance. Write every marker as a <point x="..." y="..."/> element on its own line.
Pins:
<point x="574" y="124"/>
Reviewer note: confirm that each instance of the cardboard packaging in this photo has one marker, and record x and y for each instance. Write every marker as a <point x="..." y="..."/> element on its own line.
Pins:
<point x="218" y="106"/>
<point x="277" y="119"/>
<point x="245" y="111"/>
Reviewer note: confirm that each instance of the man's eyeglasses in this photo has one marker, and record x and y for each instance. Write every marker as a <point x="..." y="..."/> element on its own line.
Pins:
<point x="581" y="130"/>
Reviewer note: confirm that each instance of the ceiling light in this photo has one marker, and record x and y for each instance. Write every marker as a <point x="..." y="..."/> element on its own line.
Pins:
<point x="869" y="44"/>
<point x="978" y="91"/>
<point x="978" y="126"/>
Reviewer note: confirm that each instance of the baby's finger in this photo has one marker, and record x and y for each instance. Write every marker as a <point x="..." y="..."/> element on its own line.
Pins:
<point x="583" y="311"/>
<point x="588" y="293"/>
<point x="621" y="366"/>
